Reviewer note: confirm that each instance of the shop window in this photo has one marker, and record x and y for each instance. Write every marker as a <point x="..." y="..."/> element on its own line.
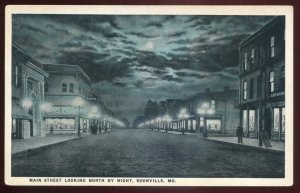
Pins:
<point x="57" y="124"/>
<point x="71" y="87"/>
<point x="272" y="46"/>
<point x="251" y="120"/>
<point x="64" y="87"/>
<point x="283" y="120"/>
<point x="276" y="123"/>
<point x="213" y="124"/>
<point x="245" y="90"/>
<point x="245" y="120"/>
<point x="271" y="82"/>
<point x="245" y="61"/>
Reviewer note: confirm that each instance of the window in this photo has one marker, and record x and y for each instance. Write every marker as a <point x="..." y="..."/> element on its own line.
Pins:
<point x="245" y="61"/>
<point x="258" y="86"/>
<point x="245" y="90"/>
<point x="252" y="56"/>
<point x="71" y="87"/>
<point x="213" y="104"/>
<point x="16" y="75"/>
<point x="272" y="46"/>
<point x="46" y="87"/>
<point x="64" y="87"/>
<point x="283" y="120"/>
<point x="251" y="88"/>
<point x="276" y="122"/>
<point x="272" y="81"/>
<point x="29" y="86"/>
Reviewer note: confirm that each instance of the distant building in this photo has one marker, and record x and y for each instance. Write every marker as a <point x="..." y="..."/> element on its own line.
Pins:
<point x="217" y="109"/>
<point x="262" y="81"/>
<point x="70" y="97"/>
<point x="28" y="78"/>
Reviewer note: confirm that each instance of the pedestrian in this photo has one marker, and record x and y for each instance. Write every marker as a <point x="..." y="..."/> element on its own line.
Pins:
<point x="239" y="133"/>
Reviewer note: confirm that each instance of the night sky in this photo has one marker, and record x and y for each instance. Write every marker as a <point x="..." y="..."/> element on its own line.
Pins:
<point x="131" y="59"/>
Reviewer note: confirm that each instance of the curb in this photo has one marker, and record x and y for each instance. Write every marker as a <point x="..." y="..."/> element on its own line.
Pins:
<point x="248" y="146"/>
<point x="38" y="149"/>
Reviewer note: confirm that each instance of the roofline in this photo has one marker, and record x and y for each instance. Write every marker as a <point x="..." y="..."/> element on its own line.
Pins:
<point x="255" y="34"/>
<point x="72" y="65"/>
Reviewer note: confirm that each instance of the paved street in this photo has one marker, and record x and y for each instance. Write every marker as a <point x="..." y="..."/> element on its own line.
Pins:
<point x="141" y="153"/>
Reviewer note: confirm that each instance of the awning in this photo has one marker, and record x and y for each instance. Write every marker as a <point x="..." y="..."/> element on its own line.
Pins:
<point x="18" y="112"/>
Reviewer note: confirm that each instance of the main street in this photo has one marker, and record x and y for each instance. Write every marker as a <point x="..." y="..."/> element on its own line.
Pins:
<point x="142" y="153"/>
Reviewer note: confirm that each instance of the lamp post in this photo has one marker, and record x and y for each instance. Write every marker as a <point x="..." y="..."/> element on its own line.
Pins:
<point x="205" y="110"/>
<point x="78" y="103"/>
<point x="183" y="115"/>
<point x="94" y="116"/>
<point x="167" y="120"/>
<point x="27" y="104"/>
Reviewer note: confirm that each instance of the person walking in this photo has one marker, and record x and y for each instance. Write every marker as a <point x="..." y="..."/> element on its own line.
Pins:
<point x="239" y="133"/>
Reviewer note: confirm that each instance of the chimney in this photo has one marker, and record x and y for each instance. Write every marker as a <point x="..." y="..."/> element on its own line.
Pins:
<point x="207" y="90"/>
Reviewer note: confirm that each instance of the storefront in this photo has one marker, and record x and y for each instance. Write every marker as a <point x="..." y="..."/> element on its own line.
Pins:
<point x="21" y="123"/>
<point x="278" y="123"/>
<point x="250" y="122"/>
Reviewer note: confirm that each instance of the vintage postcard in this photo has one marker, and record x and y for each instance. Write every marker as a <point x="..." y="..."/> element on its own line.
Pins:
<point x="149" y="95"/>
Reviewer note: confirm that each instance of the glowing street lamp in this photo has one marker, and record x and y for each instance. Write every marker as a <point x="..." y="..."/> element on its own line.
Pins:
<point x="205" y="110"/>
<point x="183" y="115"/>
<point x="27" y="103"/>
<point x="167" y="120"/>
<point x="78" y="103"/>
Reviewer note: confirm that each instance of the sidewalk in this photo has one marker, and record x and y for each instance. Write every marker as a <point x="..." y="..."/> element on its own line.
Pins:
<point x="276" y="145"/>
<point x="24" y="146"/>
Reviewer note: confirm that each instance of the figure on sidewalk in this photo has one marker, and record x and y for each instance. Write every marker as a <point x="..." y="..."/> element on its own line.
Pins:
<point x="239" y="133"/>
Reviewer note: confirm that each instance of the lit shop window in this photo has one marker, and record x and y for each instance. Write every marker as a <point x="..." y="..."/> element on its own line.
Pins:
<point x="283" y="120"/>
<point x="251" y="120"/>
<point x="272" y="46"/>
<point x="276" y="120"/>
<point x="272" y="81"/>
<point x="245" y="118"/>
<point x="16" y="75"/>
<point x="213" y="104"/>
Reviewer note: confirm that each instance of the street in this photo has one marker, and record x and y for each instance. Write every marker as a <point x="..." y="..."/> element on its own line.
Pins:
<point x="143" y="153"/>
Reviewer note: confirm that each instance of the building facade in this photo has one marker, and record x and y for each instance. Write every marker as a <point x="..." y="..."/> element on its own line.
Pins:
<point x="215" y="110"/>
<point x="28" y="77"/>
<point x="262" y="81"/>
<point x="70" y="101"/>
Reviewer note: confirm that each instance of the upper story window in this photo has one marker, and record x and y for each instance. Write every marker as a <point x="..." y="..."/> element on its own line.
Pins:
<point x="46" y="87"/>
<point x="245" y="61"/>
<point x="64" y="87"/>
<point x="272" y="81"/>
<point x="244" y="90"/>
<point x="71" y="87"/>
<point x="16" y="75"/>
<point x="272" y="46"/>
<point x="252" y="56"/>
<point x="213" y="104"/>
<point x="258" y="86"/>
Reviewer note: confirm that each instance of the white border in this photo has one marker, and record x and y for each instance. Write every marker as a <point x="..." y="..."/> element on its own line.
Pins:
<point x="157" y="10"/>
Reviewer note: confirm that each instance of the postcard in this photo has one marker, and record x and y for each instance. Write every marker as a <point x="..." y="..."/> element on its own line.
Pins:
<point x="148" y="95"/>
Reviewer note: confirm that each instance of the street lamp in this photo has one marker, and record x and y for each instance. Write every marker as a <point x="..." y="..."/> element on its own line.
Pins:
<point x="78" y="103"/>
<point x="183" y="115"/>
<point x="167" y="120"/>
<point x="94" y="115"/>
<point x="205" y="110"/>
<point x="27" y="103"/>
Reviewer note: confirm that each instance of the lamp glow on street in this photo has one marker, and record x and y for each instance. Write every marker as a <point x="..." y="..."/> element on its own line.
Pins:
<point x="46" y="106"/>
<point x="78" y="102"/>
<point x="183" y="114"/>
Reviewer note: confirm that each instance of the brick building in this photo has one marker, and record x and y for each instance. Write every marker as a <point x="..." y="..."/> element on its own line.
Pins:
<point x="262" y="81"/>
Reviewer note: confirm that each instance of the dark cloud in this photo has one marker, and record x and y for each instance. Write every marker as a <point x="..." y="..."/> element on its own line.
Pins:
<point x="168" y="18"/>
<point x="185" y="74"/>
<point x="128" y="42"/>
<point x="141" y="35"/>
<point x="177" y="34"/>
<point x="204" y="21"/>
<point x="171" y="78"/>
<point x="139" y="84"/>
<point x="226" y="77"/>
<point x="32" y="29"/>
<point x="154" y="24"/>
<point x="120" y="84"/>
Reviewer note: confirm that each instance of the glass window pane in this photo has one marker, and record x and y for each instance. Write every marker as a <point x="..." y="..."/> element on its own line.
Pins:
<point x="276" y="123"/>
<point x="283" y="120"/>
<point x="251" y="120"/>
